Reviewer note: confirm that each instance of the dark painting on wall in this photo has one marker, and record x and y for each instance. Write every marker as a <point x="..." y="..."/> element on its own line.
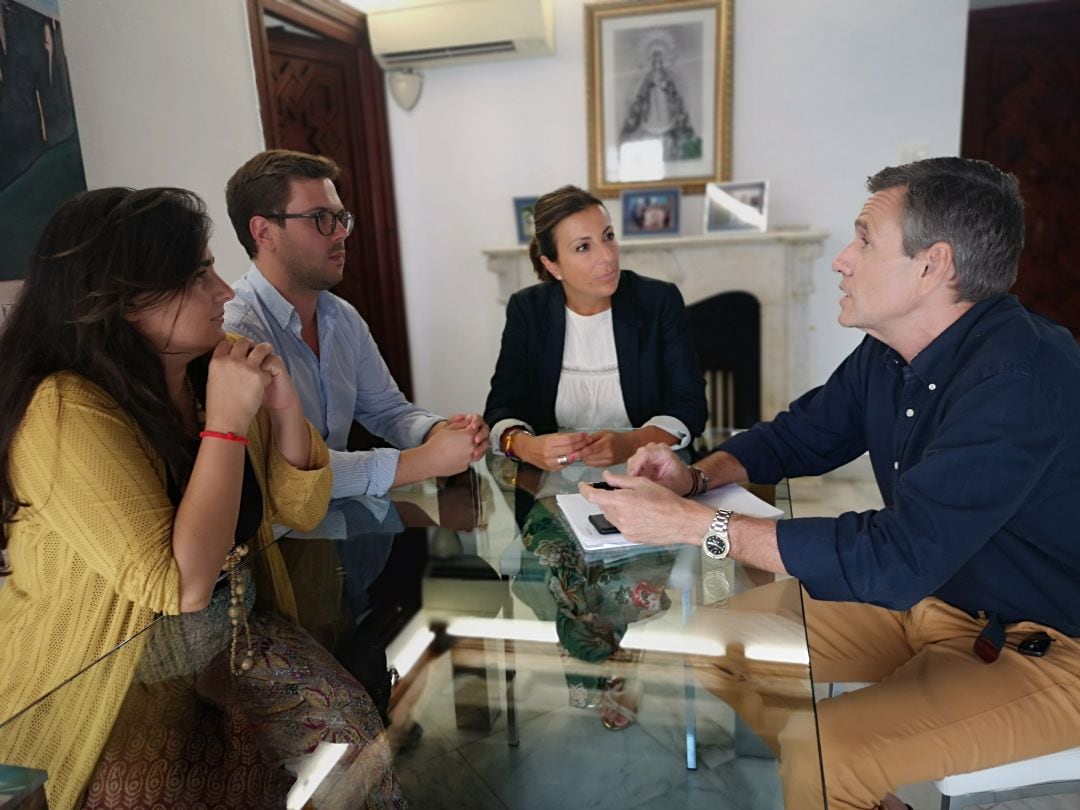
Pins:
<point x="40" y="160"/>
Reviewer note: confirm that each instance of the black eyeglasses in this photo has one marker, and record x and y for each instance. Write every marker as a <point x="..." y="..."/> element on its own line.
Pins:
<point x="326" y="221"/>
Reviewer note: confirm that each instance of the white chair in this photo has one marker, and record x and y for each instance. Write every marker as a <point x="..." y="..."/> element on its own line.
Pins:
<point x="1058" y="773"/>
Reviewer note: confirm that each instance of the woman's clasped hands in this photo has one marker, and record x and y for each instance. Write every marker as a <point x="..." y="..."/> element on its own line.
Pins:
<point x="551" y="451"/>
<point x="606" y="448"/>
<point x="600" y="448"/>
<point x="244" y="376"/>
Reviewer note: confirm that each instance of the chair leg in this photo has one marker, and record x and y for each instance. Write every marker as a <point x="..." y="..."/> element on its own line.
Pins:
<point x="946" y="801"/>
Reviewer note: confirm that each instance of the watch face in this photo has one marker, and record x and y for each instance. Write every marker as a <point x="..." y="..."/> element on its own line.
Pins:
<point x="716" y="546"/>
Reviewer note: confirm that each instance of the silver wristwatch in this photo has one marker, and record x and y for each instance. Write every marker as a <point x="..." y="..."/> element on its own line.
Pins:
<point x="715" y="543"/>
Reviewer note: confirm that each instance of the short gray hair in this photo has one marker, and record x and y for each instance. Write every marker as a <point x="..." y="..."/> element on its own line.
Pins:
<point x="972" y="205"/>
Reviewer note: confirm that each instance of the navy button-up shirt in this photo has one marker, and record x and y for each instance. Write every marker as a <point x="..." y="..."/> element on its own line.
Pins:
<point x="976" y="449"/>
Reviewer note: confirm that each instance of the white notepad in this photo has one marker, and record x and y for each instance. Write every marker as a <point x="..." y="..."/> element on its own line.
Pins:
<point x="577" y="511"/>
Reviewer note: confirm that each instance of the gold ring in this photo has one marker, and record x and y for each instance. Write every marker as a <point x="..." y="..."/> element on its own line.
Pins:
<point x="562" y="461"/>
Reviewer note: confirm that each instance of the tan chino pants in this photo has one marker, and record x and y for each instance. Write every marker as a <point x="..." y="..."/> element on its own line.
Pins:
<point x="935" y="709"/>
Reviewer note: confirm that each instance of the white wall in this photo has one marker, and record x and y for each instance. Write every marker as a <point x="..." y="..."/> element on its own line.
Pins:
<point x="825" y="94"/>
<point x="165" y="96"/>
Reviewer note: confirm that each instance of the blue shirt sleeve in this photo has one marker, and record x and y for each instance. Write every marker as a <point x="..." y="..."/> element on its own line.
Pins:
<point x="379" y="405"/>
<point x="358" y="372"/>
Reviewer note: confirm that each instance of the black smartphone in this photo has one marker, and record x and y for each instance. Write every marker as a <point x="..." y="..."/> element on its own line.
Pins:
<point x="1035" y="645"/>
<point x="603" y="485"/>
<point x="602" y="524"/>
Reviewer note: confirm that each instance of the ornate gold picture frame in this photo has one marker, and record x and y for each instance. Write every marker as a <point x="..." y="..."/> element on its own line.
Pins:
<point x="658" y="94"/>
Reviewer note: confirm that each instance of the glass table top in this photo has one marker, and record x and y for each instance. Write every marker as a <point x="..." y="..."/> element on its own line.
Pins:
<point x="523" y="672"/>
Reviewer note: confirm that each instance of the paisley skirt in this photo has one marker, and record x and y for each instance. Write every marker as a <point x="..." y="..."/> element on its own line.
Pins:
<point x="214" y="739"/>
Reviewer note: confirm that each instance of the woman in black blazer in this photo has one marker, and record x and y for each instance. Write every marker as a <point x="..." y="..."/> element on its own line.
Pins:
<point x="595" y="361"/>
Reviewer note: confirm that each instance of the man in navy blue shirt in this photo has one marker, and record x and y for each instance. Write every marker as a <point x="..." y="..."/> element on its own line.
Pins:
<point x="967" y="404"/>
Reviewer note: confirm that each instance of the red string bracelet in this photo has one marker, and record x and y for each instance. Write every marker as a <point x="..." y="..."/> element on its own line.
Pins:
<point x="229" y="437"/>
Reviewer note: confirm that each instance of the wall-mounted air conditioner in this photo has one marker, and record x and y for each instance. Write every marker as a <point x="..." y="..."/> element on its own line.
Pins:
<point x="430" y="33"/>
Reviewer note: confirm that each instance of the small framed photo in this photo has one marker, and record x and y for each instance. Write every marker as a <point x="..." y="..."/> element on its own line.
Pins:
<point x="651" y="212"/>
<point x="523" y="216"/>
<point x="741" y="206"/>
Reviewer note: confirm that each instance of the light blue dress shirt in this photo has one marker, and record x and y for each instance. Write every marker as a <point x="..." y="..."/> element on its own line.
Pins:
<point x="348" y="380"/>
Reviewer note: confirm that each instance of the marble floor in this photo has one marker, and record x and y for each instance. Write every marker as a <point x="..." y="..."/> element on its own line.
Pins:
<point x="640" y="766"/>
<point x="452" y="767"/>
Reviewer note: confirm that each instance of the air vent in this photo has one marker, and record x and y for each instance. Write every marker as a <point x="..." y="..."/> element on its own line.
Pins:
<point x="450" y="52"/>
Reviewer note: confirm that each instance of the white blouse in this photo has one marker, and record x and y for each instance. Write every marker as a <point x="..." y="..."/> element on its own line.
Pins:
<point x="589" y="395"/>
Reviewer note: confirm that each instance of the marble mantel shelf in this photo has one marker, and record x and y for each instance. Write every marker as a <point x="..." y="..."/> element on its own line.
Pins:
<point x="776" y="267"/>
<point x="658" y="243"/>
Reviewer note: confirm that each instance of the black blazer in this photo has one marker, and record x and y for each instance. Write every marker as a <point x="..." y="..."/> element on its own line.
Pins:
<point x="658" y="368"/>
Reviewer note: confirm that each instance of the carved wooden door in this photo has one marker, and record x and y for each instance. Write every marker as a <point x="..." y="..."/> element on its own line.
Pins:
<point x="1022" y="113"/>
<point x="322" y="102"/>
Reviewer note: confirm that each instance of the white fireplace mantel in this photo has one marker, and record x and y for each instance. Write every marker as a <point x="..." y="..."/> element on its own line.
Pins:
<point x="776" y="267"/>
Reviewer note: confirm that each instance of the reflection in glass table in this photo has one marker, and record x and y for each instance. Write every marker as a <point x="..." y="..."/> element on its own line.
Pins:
<point x="513" y="656"/>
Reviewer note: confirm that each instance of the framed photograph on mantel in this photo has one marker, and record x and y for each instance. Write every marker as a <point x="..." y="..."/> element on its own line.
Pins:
<point x="742" y="206"/>
<point x="658" y="93"/>
<point x="523" y="216"/>
<point x="650" y="212"/>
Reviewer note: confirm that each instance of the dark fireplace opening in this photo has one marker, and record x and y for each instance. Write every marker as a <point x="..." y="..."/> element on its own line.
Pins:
<point x="726" y="330"/>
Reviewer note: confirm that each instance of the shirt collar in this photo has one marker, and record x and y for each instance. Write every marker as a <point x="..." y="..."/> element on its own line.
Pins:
<point x="936" y="360"/>
<point x="273" y="302"/>
<point x="282" y="311"/>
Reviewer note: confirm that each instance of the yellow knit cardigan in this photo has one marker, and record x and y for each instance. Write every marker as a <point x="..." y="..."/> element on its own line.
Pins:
<point x="92" y="564"/>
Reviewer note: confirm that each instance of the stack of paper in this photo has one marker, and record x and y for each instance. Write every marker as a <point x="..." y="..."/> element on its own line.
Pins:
<point x="732" y="496"/>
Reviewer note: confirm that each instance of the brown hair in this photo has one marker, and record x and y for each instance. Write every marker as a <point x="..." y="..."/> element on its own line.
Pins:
<point x="549" y="211"/>
<point x="261" y="186"/>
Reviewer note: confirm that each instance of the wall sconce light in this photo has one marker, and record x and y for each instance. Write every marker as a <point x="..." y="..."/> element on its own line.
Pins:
<point x="405" y="86"/>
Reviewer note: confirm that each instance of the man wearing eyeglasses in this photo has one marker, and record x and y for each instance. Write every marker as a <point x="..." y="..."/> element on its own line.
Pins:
<point x="288" y="216"/>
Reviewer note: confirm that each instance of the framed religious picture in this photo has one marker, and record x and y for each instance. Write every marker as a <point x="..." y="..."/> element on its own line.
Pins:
<point x="650" y="212"/>
<point x="658" y="93"/>
<point x="523" y="216"/>
<point x="742" y="206"/>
